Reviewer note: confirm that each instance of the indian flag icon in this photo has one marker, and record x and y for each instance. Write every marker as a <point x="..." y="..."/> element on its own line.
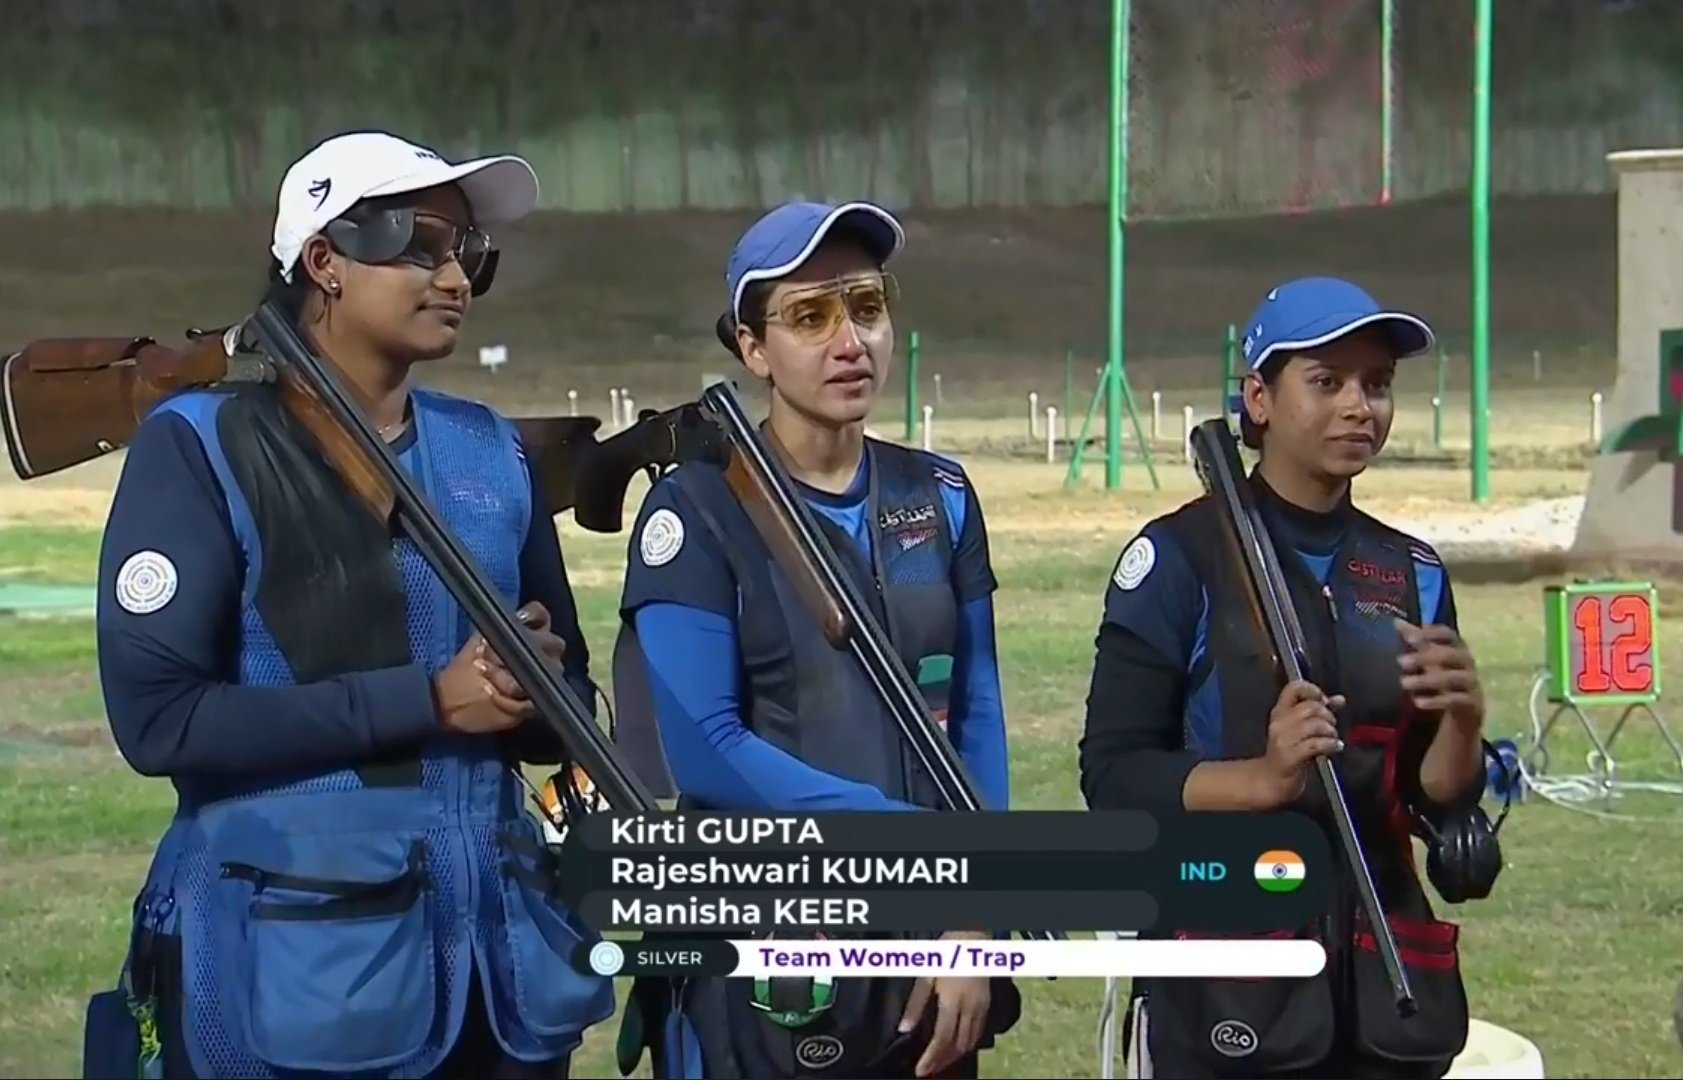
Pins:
<point x="1279" y="871"/>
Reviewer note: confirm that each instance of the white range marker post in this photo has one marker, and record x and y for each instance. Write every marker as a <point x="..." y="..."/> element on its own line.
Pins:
<point x="492" y="357"/>
<point x="1051" y="434"/>
<point x="1034" y="414"/>
<point x="613" y="406"/>
<point x="572" y="403"/>
<point x="928" y="426"/>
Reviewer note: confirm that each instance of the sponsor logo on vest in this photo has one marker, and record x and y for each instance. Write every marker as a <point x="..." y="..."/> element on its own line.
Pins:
<point x="1233" y="1038"/>
<point x="911" y="538"/>
<point x="1362" y="568"/>
<point x="1378" y="591"/>
<point x="901" y="518"/>
<point x="818" y="1051"/>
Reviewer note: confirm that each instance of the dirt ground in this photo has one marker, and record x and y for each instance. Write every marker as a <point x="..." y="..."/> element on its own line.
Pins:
<point x="992" y="295"/>
<point x="593" y="301"/>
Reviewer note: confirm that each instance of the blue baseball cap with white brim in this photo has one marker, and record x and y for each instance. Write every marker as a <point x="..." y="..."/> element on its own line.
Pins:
<point x="783" y="239"/>
<point x="1315" y="311"/>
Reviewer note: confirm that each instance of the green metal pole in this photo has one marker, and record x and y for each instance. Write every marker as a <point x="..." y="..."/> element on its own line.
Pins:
<point x="1387" y="28"/>
<point x="1480" y="374"/>
<point x="1119" y="42"/>
<point x="912" y="412"/>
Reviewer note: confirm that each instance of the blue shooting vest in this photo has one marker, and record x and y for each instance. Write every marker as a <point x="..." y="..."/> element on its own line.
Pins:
<point x="813" y="700"/>
<point x="800" y="693"/>
<point x="1345" y="602"/>
<point x="332" y="922"/>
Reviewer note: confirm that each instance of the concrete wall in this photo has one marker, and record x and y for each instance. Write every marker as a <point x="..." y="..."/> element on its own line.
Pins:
<point x="1634" y="507"/>
<point x="652" y="105"/>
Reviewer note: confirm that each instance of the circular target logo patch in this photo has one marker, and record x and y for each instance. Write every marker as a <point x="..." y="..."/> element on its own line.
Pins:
<point x="146" y="582"/>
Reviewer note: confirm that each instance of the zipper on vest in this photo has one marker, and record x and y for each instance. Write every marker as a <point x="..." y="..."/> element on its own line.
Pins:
<point x="1332" y="608"/>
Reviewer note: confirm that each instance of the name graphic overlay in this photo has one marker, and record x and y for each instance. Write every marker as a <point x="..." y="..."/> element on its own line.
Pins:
<point x="899" y="957"/>
<point x="847" y="890"/>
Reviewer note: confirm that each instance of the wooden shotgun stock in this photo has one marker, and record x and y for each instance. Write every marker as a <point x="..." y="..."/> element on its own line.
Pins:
<point x="64" y="401"/>
<point x="67" y="401"/>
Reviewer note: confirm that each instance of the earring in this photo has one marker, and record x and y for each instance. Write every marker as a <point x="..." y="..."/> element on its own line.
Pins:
<point x="333" y="286"/>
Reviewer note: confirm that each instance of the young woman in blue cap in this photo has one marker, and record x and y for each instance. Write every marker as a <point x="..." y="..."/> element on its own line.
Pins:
<point x="752" y="709"/>
<point x="1175" y="720"/>
<point x="350" y="884"/>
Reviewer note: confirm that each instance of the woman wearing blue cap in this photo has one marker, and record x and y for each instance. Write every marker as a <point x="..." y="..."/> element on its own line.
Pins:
<point x="1174" y="720"/>
<point x="350" y="884"/>
<point x="751" y="707"/>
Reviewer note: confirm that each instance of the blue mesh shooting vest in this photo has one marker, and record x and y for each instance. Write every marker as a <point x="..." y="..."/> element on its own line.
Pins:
<point x="814" y="701"/>
<point x="332" y="922"/>
<point x="800" y="693"/>
<point x="1346" y="602"/>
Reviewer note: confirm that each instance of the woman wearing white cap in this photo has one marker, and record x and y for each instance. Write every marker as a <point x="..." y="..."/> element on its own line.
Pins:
<point x="734" y="685"/>
<point x="350" y="884"/>
<point x="1174" y="719"/>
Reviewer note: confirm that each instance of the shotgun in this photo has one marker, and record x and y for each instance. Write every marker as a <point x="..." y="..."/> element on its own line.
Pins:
<point x="67" y="401"/>
<point x="368" y="463"/>
<point x="64" y="401"/>
<point x="762" y="486"/>
<point x="1216" y="460"/>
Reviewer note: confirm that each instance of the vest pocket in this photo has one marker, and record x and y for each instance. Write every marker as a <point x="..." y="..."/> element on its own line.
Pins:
<point x="536" y="980"/>
<point x="327" y="960"/>
<point x="819" y="1026"/>
<point x="1430" y="955"/>
<point x="1242" y="1026"/>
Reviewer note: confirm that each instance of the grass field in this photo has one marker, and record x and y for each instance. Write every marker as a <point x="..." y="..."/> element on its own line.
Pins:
<point x="1578" y="949"/>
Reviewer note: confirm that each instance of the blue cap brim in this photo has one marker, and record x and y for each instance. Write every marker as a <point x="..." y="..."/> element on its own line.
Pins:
<point x="881" y="234"/>
<point x="1409" y="336"/>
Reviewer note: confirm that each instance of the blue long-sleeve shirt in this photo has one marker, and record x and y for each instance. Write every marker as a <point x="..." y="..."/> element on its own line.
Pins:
<point x="170" y="584"/>
<point x="686" y="628"/>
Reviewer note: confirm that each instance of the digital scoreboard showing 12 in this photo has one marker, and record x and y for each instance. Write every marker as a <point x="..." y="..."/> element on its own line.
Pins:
<point x="1601" y="645"/>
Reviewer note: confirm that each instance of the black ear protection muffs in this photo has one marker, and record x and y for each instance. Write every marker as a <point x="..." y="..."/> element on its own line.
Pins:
<point x="1463" y="854"/>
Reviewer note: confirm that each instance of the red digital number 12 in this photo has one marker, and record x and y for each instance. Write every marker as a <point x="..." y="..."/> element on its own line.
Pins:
<point x="1630" y="612"/>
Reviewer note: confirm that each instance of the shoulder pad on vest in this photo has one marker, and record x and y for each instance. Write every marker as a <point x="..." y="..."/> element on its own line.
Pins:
<point x="1187" y="522"/>
<point x="201" y="397"/>
<point x="1419" y="550"/>
<point x="942" y="470"/>
<point x="693" y="477"/>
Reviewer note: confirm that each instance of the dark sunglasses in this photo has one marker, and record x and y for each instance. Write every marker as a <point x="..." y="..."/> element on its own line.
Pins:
<point x="382" y="236"/>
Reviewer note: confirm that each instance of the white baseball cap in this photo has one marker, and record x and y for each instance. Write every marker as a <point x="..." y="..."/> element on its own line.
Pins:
<point x="345" y="169"/>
